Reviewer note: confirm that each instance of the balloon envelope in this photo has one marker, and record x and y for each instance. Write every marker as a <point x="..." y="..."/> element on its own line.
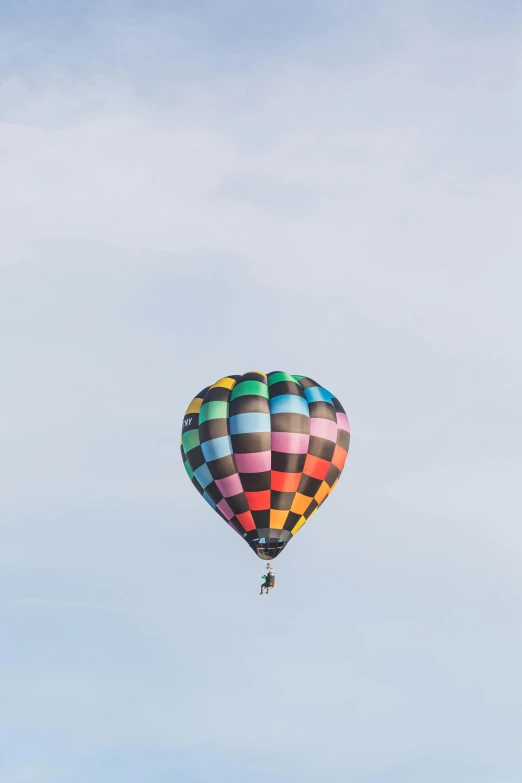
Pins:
<point x="265" y="451"/>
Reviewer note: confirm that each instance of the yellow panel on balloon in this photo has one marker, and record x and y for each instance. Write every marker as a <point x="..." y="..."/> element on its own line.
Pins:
<point x="195" y="406"/>
<point x="298" y="525"/>
<point x="224" y="383"/>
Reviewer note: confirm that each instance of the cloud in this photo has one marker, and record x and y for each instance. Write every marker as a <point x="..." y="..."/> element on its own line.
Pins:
<point x="385" y="173"/>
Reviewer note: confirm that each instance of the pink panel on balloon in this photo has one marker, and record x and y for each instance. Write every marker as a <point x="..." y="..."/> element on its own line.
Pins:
<point x="229" y="486"/>
<point x="290" y="442"/>
<point x="253" y="463"/>
<point x="323" y="428"/>
<point x="225" y="509"/>
<point x="342" y="422"/>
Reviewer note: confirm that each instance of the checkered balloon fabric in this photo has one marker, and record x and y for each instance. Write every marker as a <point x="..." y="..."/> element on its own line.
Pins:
<point x="265" y="451"/>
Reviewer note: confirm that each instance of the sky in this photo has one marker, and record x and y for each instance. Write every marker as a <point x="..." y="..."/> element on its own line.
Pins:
<point x="200" y="188"/>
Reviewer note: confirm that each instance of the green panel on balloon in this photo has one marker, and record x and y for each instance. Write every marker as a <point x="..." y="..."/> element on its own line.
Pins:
<point x="190" y="440"/>
<point x="249" y="387"/>
<point x="213" y="410"/>
<point x="277" y="377"/>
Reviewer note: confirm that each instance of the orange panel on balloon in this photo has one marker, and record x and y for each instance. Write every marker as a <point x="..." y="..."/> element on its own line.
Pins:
<point x="322" y="492"/>
<point x="300" y="503"/>
<point x="278" y="519"/>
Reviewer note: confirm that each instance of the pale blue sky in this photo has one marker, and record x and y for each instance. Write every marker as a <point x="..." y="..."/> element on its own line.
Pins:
<point x="190" y="190"/>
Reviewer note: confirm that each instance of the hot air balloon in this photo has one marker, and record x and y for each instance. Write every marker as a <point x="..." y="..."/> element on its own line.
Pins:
<point x="265" y="451"/>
